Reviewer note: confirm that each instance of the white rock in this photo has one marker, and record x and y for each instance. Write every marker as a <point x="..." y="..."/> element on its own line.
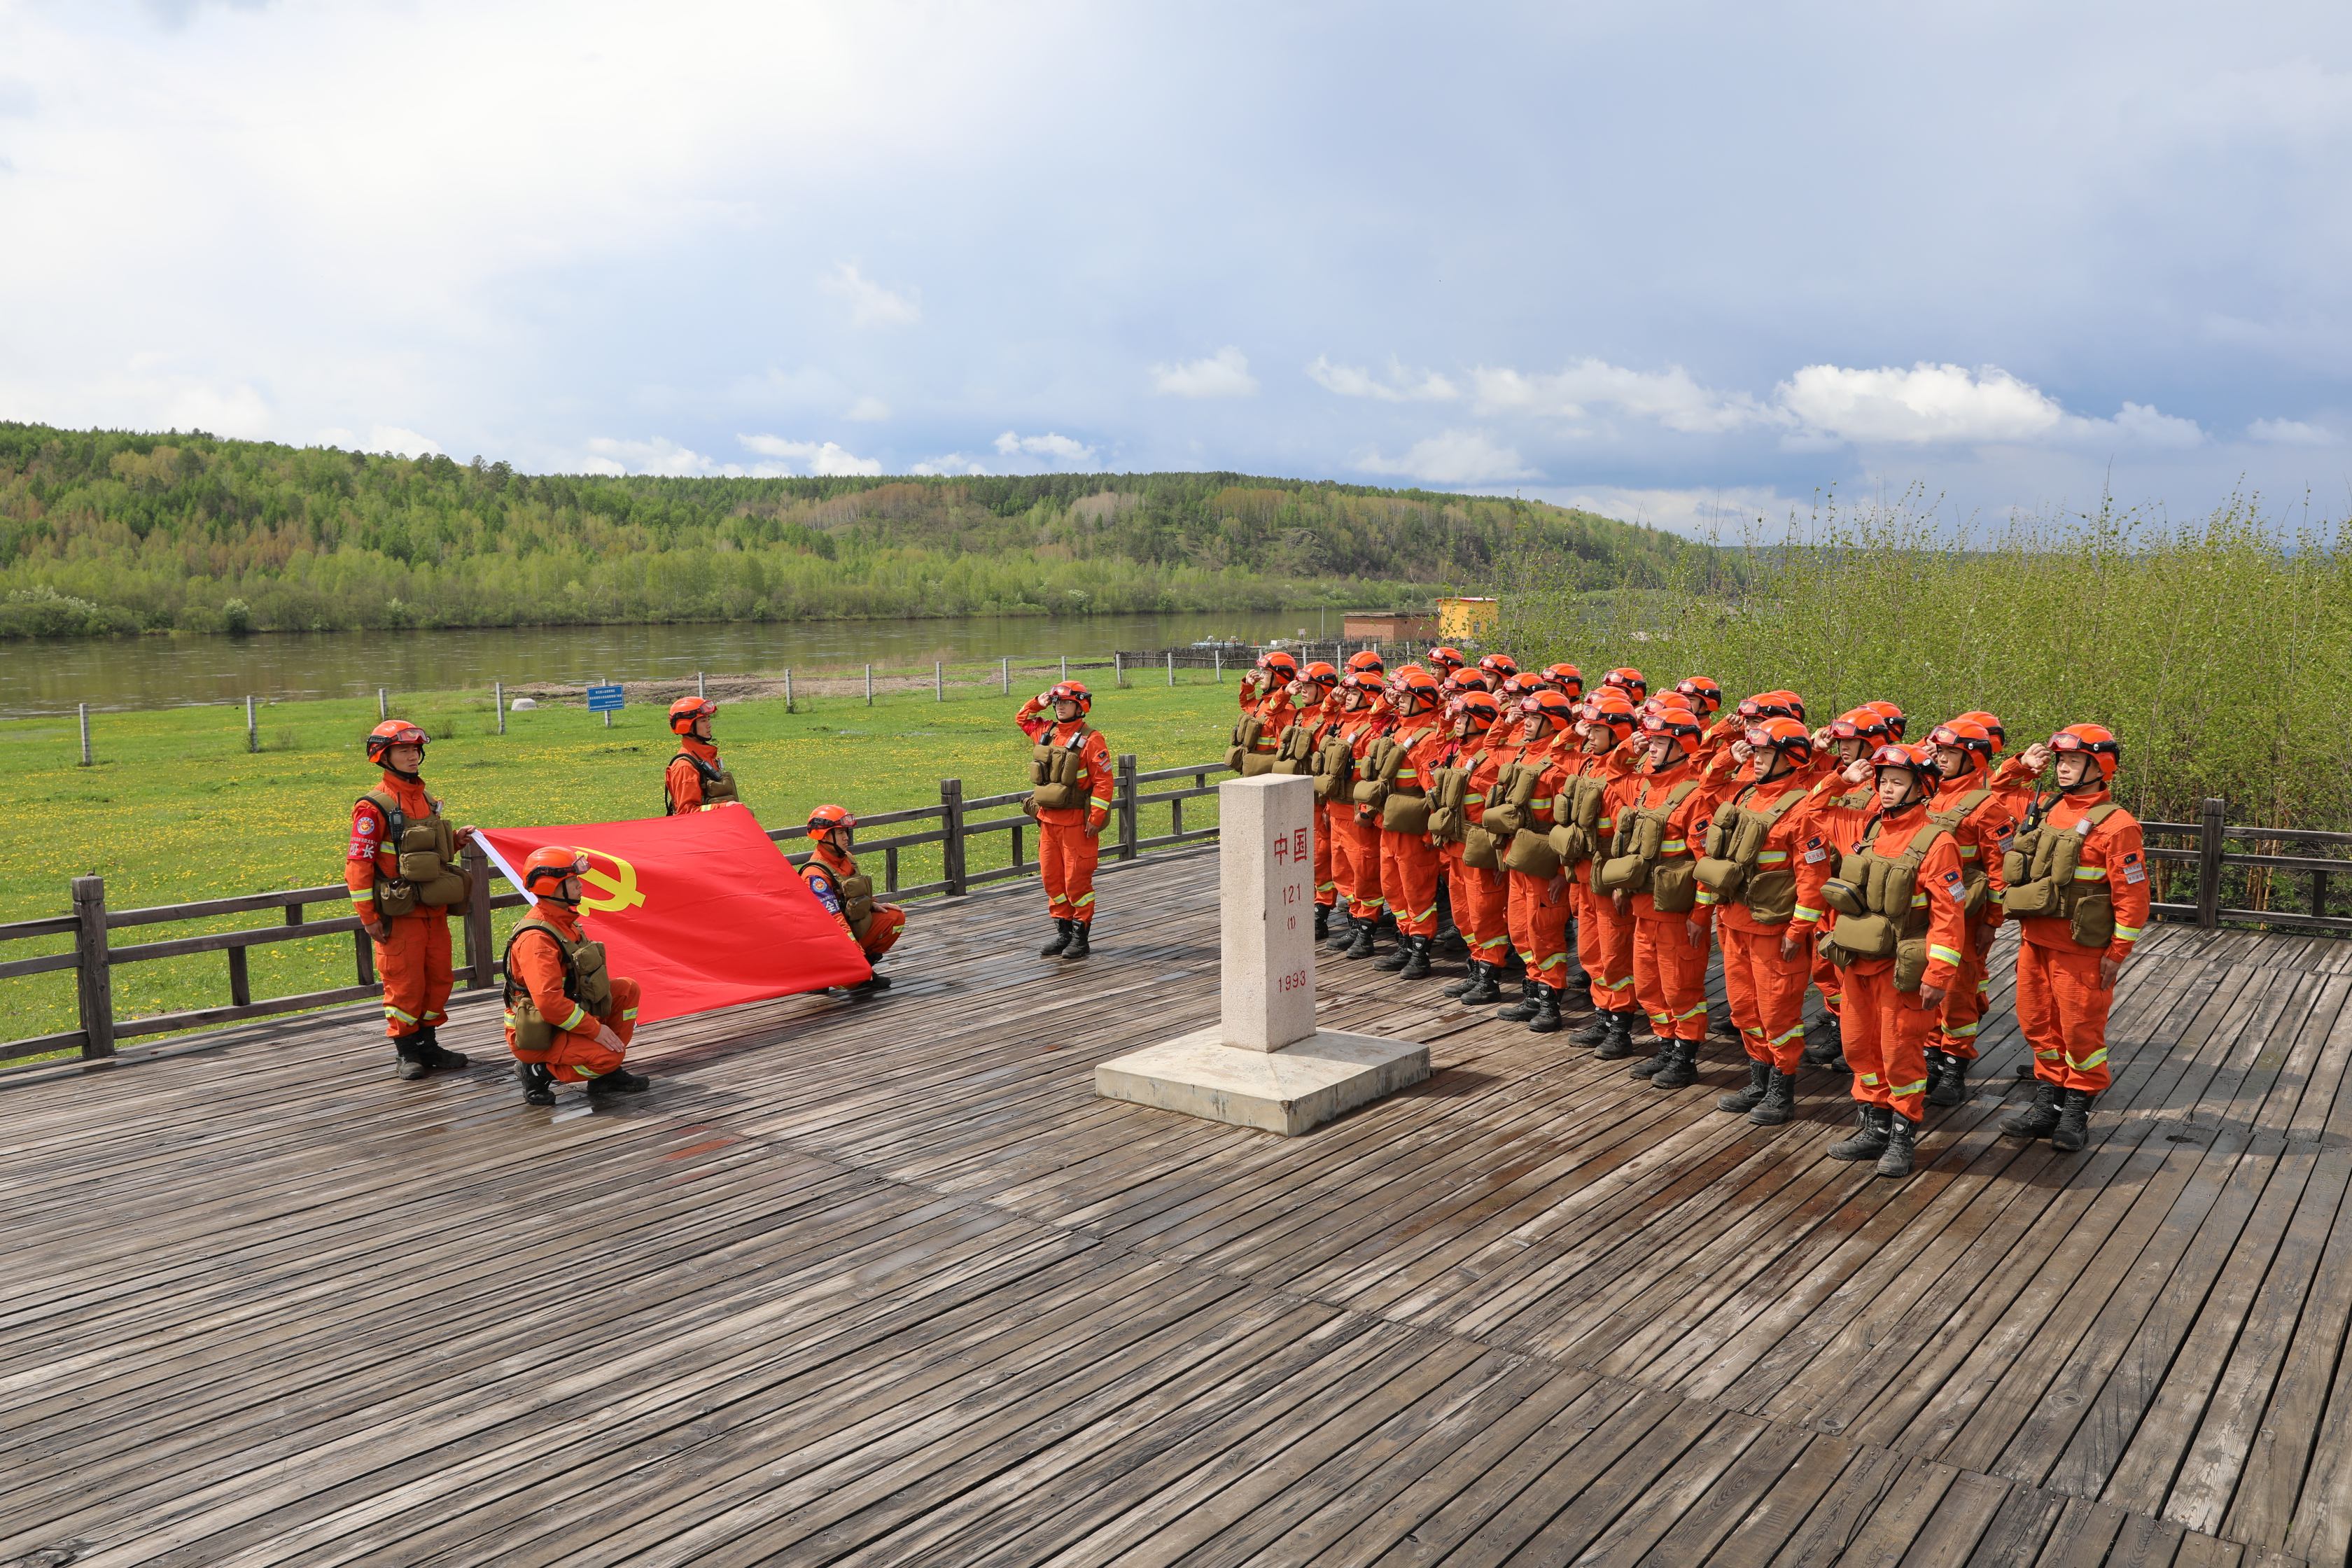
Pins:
<point x="522" y="705"/>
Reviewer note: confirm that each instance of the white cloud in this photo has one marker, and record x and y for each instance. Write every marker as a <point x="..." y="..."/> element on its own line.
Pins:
<point x="2290" y="433"/>
<point x="954" y="465"/>
<point x="1398" y="386"/>
<point x="1052" y="447"/>
<point x="1225" y="373"/>
<point x="1944" y="403"/>
<point x="609" y="455"/>
<point x="401" y="443"/>
<point x="1670" y="396"/>
<point x="823" y="457"/>
<point x="870" y="304"/>
<point x="868" y="409"/>
<point x="1452" y="458"/>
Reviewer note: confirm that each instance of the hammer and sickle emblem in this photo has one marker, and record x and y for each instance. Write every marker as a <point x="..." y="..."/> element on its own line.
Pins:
<point x="615" y="891"/>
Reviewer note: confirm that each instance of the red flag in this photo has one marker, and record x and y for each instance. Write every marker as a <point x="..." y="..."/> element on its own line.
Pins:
<point x="700" y="909"/>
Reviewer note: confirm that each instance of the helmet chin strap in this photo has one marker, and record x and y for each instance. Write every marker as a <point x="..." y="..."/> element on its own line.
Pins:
<point x="404" y="777"/>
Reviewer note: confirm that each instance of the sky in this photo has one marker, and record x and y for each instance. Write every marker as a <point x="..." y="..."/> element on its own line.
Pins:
<point x="1690" y="263"/>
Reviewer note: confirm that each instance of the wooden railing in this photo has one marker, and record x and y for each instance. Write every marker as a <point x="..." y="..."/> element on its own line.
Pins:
<point x="2262" y="882"/>
<point x="953" y="824"/>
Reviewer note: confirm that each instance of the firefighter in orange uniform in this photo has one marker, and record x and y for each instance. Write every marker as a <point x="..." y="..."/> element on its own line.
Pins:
<point x="405" y="866"/>
<point x="569" y="1019"/>
<point x="1518" y="813"/>
<point x="694" y="779"/>
<point x="2079" y="892"/>
<point x="1650" y="875"/>
<point x="1459" y="775"/>
<point x="1409" y="862"/>
<point x="1446" y="663"/>
<point x="831" y="872"/>
<point x="1498" y="668"/>
<point x="1567" y="680"/>
<point x="1266" y="712"/>
<point x="1600" y="780"/>
<point x="1356" y="841"/>
<point x="1630" y="681"/>
<point x="1901" y="898"/>
<point x="1073" y="786"/>
<point x="1979" y="820"/>
<point x="1314" y="721"/>
<point x="2012" y="778"/>
<point x="1843" y="799"/>
<point x="1762" y="872"/>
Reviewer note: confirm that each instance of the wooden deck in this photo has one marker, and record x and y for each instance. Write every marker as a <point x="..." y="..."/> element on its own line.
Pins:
<point x="884" y="1282"/>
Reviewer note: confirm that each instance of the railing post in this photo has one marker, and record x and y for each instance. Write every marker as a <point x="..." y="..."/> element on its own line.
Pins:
<point x="83" y="709"/>
<point x="1171" y="666"/>
<point x="788" y="690"/>
<point x="1004" y="675"/>
<point x="1126" y="807"/>
<point x="252" y="735"/>
<point x="383" y="705"/>
<point x="1066" y="666"/>
<point x="477" y="927"/>
<point x="869" y="686"/>
<point x="499" y="702"/>
<point x="1118" y="667"/>
<point x="701" y="690"/>
<point x="1217" y="663"/>
<point x="2209" y="862"/>
<point x="951" y="836"/>
<point x="93" y="981"/>
<point x="938" y="681"/>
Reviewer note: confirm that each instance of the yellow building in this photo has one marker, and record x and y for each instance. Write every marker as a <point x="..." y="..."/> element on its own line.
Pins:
<point x="1467" y="620"/>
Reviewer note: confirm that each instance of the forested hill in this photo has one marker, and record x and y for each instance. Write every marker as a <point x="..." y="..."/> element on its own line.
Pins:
<point x="112" y="532"/>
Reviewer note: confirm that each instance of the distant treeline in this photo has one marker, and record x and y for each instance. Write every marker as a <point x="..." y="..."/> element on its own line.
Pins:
<point x="111" y="532"/>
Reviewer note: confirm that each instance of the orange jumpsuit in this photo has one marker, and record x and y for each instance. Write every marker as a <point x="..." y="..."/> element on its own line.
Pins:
<point x="1669" y="972"/>
<point x="1839" y="824"/>
<point x="1604" y="939"/>
<point x="1275" y="710"/>
<point x="2015" y="784"/>
<point x="1408" y="861"/>
<point x="535" y="965"/>
<point x="1887" y="1031"/>
<point x="412" y="959"/>
<point x="1540" y="906"/>
<point x="1984" y="834"/>
<point x="824" y="871"/>
<point x="681" y="780"/>
<point x="1319" y="719"/>
<point x="1766" y="991"/>
<point x="2061" y="1004"/>
<point x="1069" y="838"/>
<point x="1355" y="830"/>
<point x="1478" y="893"/>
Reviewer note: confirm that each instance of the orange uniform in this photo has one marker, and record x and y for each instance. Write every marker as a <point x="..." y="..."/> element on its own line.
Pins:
<point x="824" y="871"/>
<point x="535" y="966"/>
<point x="412" y="959"/>
<point x="1409" y="862"/>
<point x="1540" y="906"/>
<point x="1320" y="718"/>
<point x="2015" y="784"/>
<point x="684" y="780"/>
<point x="1479" y="892"/>
<point x="1839" y="811"/>
<point x="1604" y="938"/>
<point x="1765" y="989"/>
<point x="1886" y="1030"/>
<point x="2060" y="1006"/>
<point x="1069" y="838"/>
<point x="1669" y="968"/>
<point x="1984" y="835"/>
<point x="1356" y="833"/>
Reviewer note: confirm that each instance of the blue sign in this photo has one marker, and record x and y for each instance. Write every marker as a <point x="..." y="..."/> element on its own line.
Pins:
<point x="604" y="699"/>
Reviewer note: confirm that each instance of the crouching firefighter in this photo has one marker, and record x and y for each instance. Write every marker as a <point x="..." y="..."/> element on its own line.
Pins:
<point x="1901" y="897"/>
<point x="1070" y="775"/>
<point x="832" y="874"/>
<point x="569" y="1020"/>
<point x="2076" y="883"/>
<point x="694" y="779"/>
<point x="405" y="866"/>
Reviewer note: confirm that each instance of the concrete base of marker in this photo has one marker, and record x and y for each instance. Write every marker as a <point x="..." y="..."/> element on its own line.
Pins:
<point x="1289" y="1091"/>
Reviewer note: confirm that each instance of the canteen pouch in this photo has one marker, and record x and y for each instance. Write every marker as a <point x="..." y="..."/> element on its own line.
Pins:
<point x="1405" y="814"/>
<point x="1530" y="854"/>
<point x="1772" y="896"/>
<point x="1720" y="877"/>
<point x="1254" y="763"/>
<point x="532" y="1032"/>
<point x="593" y="981"/>
<point x="394" y="898"/>
<point x="1865" y="935"/>
<point x="1842" y="895"/>
<point x="1673" y="890"/>
<point x="2030" y="899"/>
<point x="452" y="887"/>
<point x="2094" y="922"/>
<point x="1650" y="833"/>
<point x="1570" y="842"/>
<point x="1910" y="962"/>
<point x="1478" y="849"/>
<point x="1622" y="874"/>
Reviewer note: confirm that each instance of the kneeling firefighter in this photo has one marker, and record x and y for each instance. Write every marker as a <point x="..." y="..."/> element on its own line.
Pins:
<point x="832" y="874"/>
<point x="569" y="1020"/>
<point x="1070" y="770"/>
<point x="695" y="781"/>
<point x="405" y="865"/>
<point x="2077" y="887"/>
<point x="1901" y="897"/>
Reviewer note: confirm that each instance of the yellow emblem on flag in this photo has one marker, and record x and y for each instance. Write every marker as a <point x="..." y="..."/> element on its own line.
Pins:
<point x="618" y="887"/>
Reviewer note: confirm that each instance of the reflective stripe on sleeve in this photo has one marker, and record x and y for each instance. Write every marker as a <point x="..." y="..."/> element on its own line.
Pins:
<point x="2128" y="934"/>
<point x="2090" y="873"/>
<point x="1943" y="954"/>
<point x="579" y="1017"/>
<point x="364" y="896"/>
<point x="1771" y="857"/>
<point x="1805" y="914"/>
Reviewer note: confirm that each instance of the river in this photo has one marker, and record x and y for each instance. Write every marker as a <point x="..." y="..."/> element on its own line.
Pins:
<point x="175" y="670"/>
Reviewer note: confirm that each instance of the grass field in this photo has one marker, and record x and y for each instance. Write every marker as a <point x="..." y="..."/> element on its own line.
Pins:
<point x="176" y="808"/>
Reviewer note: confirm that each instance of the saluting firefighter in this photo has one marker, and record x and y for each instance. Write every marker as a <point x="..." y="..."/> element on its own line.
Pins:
<point x="1843" y="797"/>
<point x="1519" y="818"/>
<point x="1762" y="874"/>
<point x="1393" y="786"/>
<point x="1364" y="718"/>
<point x="2077" y="885"/>
<point x="1600" y="780"/>
<point x="569" y="1019"/>
<point x="1981" y="822"/>
<point x="1314" y="720"/>
<point x="1458" y="776"/>
<point x="1266" y="712"/>
<point x="1070" y="770"/>
<point x="694" y="779"/>
<point x="832" y="874"/>
<point x="405" y="867"/>
<point x="1649" y="875"/>
<point x="1901" y="897"/>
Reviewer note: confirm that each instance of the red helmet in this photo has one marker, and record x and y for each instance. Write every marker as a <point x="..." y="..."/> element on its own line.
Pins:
<point x="1466" y="679"/>
<point x="1448" y="660"/>
<point x="1274" y="661"/>
<point x="1320" y="674"/>
<point x="1892" y="714"/>
<point x="1526" y="684"/>
<point x="686" y="710"/>
<point x="1968" y="737"/>
<point x="1566" y="677"/>
<point x="1919" y="760"/>
<point x="1556" y="706"/>
<point x="1679" y="724"/>
<point x="1861" y="724"/>
<point x="826" y="818"/>
<point x="1629" y="680"/>
<point x="1499" y="667"/>
<point x="1612" y="707"/>
<point x="1991" y="727"/>
<point x="1367" y="661"/>
<point x="1357" y="684"/>
<point x="1780" y="733"/>
<point x="1417" y="687"/>
<point x="1771" y="705"/>
<point x="390" y="734"/>
<point x="2095" y="739"/>
<point x="551" y="865"/>
<point x="1706" y="697"/>
<point x="1480" y="706"/>
<point x="1074" y="691"/>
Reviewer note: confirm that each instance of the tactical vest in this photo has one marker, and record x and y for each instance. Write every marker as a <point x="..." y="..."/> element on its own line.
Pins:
<point x="1735" y="862"/>
<point x="431" y="874"/>
<point x="2047" y="878"/>
<point x="1882" y="910"/>
<point x="1294" y="751"/>
<point x="1973" y="875"/>
<point x="1334" y="764"/>
<point x="1576" y="818"/>
<point x="1449" y="800"/>
<point x="718" y="784"/>
<point x="1243" y="756"/>
<point x="855" y="891"/>
<point x="585" y="981"/>
<point x="1642" y="858"/>
<point x="1058" y="772"/>
<point x="1511" y="798"/>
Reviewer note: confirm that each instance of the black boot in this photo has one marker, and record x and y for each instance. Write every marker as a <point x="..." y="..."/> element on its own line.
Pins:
<point x="1870" y="1142"/>
<point x="1397" y="957"/>
<point x="1469" y="982"/>
<point x="1593" y="1034"/>
<point x="1362" y="946"/>
<point x="410" y="1060"/>
<point x="1062" y="930"/>
<point x="1780" y="1102"/>
<point x="1322" y="922"/>
<point x="620" y="1080"/>
<point x="1343" y="932"/>
<point x="2040" y="1119"/>
<point x="1950" y="1087"/>
<point x="1484" y="990"/>
<point x="2074" y="1129"/>
<point x="437" y="1057"/>
<point x="1620" y="1043"/>
<point x="1657" y="1059"/>
<point x="1680" y="1069"/>
<point x="870" y="985"/>
<point x="1525" y="1008"/>
<point x="1080" y="930"/>
<point x="538" y="1083"/>
<point x="1416" y="958"/>
<point x="1546" y="1018"/>
<point x="1760" y="1079"/>
<point x="1825" y="1047"/>
<point x="1902" y="1143"/>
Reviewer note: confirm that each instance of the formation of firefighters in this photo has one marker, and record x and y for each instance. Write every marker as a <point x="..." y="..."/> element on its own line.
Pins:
<point x="1594" y="846"/>
<point x="1600" y="844"/>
